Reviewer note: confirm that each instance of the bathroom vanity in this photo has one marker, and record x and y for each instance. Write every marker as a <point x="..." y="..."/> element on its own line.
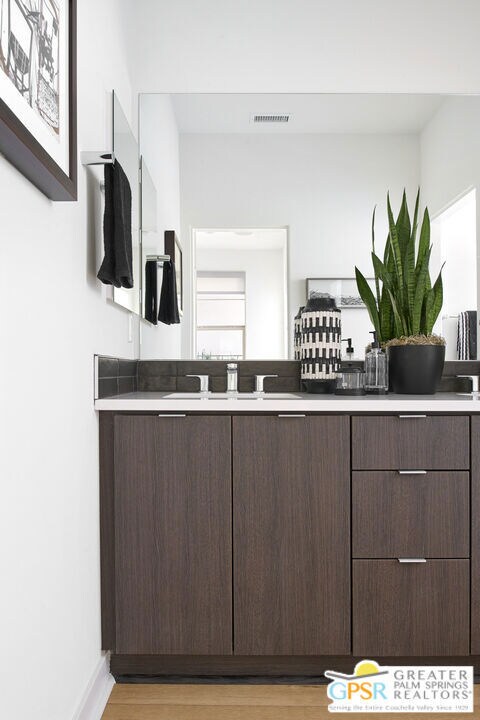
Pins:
<point x="285" y="535"/>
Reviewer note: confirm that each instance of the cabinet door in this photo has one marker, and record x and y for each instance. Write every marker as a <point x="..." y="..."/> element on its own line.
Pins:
<point x="291" y="535"/>
<point x="173" y="535"/>
<point x="411" y="609"/>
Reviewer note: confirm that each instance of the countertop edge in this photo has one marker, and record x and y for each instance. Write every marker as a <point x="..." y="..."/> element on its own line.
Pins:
<point x="441" y="402"/>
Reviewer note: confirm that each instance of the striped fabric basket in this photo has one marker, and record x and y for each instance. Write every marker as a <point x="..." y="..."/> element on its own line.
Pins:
<point x="321" y="332"/>
<point x="297" y="334"/>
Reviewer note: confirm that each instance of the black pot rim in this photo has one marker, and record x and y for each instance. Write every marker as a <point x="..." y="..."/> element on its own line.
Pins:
<point x="415" y="345"/>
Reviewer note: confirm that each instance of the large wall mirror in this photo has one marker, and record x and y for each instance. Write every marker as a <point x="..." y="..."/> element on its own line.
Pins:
<point x="269" y="195"/>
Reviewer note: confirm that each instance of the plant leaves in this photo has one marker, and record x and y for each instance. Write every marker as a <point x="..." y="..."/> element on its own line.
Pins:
<point x="421" y="290"/>
<point x="436" y="304"/>
<point x="424" y="241"/>
<point x="377" y="284"/>
<point x="403" y="226"/>
<point x="397" y="256"/>
<point x="415" y="217"/>
<point x="398" y="322"/>
<point x="369" y="299"/>
<point x="386" y="316"/>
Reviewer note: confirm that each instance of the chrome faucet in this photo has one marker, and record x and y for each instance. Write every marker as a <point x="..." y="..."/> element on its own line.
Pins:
<point x="259" y="387"/>
<point x="475" y="379"/>
<point x="203" y="382"/>
<point x="232" y="378"/>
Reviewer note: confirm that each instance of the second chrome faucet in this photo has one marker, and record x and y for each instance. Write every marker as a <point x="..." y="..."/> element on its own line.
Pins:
<point x="232" y="378"/>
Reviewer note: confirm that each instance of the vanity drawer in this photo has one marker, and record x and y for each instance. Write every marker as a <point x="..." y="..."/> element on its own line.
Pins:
<point x="410" y="609"/>
<point x="396" y="515"/>
<point x="410" y="442"/>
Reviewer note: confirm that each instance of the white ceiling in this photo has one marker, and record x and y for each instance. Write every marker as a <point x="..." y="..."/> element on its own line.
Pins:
<point x="310" y="113"/>
<point x="241" y="239"/>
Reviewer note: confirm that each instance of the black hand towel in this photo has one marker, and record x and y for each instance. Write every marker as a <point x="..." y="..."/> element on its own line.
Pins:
<point x="467" y="335"/>
<point x="116" y="268"/>
<point x="168" y="312"/>
<point x="151" y="291"/>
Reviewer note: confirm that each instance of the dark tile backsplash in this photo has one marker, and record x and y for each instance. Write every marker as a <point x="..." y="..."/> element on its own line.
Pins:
<point x="116" y="376"/>
<point x="171" y="376"/>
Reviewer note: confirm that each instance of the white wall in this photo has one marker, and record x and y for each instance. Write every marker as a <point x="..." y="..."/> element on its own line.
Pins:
<point x="265" y="292"/>
<point x="54" y="318"/>
<point x="323" y="187"/>
<point x="159" y="147"/>
<point x="306" y="45"/>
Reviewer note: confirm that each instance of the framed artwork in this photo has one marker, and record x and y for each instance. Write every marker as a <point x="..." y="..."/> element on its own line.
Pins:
<point x="344" y="290"/>
<point x="38" y="92"/>
<point x="174" y="249"/>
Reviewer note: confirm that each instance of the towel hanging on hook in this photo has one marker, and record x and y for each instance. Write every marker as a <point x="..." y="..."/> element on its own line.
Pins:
<point x="117" y="265"/>
<point x="168" y="312"/>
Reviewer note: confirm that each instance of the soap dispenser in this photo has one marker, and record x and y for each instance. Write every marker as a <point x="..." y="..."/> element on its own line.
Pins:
<point x="376" y="369"/>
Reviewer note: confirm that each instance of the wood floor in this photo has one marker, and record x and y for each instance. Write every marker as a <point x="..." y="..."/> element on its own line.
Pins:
<point x="236" y="702"/>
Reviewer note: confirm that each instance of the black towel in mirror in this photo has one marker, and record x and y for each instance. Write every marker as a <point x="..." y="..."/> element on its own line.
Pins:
<point x="467" y="335"/>
<point x="117" y="266"/>
<point x="168" y="312"/>
<point x="151" y="291"/>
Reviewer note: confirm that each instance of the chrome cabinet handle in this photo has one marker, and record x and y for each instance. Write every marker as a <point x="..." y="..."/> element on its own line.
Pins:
<point x="291" y="415"/>
<point x="174" y="415"/>
<point x="405" y="417"/>
<point x="412" y="472"/>
<point x="412" y="561"/>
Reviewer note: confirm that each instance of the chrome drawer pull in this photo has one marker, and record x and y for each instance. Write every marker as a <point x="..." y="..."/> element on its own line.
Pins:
<point x="404" y="417"/>
<point x="172" y="415"/>
<point x="291" y="415"/>
<point x="412" y="472"/>
<point x="411" y="560"/>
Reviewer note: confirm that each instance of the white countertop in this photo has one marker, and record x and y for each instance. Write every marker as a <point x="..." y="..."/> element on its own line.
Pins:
<point x="303" y="403"/>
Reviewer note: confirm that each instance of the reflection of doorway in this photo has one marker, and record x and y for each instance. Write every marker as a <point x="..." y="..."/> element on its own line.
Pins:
<point x="454" y="231"/>
<point x="241" y="304"/>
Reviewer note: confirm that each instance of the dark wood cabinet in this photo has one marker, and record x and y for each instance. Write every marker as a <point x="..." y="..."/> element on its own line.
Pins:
<point x="291" y="535"/>
<point x="172" y="500"/>
<point x="475" y="559"/>
<point x="226" y="539"/>
<point x="402" y="515"/>
<point x="411" y="609"/>
<point x="410" y="442"/>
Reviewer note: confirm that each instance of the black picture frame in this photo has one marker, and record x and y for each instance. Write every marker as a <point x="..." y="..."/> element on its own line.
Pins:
<point x="174" y="249"/>
<point x="24" y="151"/>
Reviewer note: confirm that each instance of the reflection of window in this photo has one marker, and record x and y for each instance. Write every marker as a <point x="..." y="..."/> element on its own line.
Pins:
<point x="220" y="315"/>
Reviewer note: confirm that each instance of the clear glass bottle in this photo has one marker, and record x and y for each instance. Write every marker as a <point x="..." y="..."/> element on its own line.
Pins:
<point x="376" y="369"/>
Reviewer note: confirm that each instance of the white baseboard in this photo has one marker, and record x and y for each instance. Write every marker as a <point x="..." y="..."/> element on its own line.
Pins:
<point x="97" y="692"/>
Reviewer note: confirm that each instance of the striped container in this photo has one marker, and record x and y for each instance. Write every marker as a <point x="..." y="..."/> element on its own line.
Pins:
<point x="297" y="334"/>
<point x="321" y="332"/>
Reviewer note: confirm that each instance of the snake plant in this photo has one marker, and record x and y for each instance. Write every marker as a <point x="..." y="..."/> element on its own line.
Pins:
<point x="404" y="302"/>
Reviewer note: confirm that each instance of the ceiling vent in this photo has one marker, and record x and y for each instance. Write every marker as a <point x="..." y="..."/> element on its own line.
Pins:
<point x="271" y="118"/>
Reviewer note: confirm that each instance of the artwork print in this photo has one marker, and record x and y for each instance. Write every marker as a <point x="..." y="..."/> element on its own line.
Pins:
<point x="344" y="290"/>
<point x="30" y="54"/>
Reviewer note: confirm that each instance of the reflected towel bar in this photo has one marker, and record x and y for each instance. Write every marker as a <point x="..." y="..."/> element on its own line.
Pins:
<point x="89" y="157"/>
<point x="159" y="258"/>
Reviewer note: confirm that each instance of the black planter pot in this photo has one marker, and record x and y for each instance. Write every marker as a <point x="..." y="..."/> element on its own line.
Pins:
<point x="415" y="369"/>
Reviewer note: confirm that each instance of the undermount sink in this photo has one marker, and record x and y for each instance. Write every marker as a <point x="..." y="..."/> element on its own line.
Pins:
<point x="228" y="396"/>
